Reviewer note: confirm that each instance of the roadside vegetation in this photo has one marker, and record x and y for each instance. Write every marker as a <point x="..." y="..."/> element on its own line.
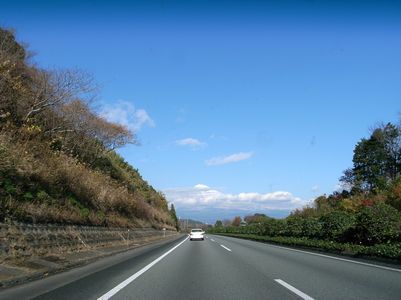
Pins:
<point x="363" y="219"/>
<point x="57" y="155"/>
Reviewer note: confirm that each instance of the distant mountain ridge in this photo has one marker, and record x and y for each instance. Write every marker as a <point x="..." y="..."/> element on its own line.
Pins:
<point x="189" y="223"/>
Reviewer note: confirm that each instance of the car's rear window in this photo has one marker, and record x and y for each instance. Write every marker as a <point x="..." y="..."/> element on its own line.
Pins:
<point x="196" y="230"/>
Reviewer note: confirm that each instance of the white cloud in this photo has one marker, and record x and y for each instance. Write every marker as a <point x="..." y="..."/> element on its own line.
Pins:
<point x="126" y="114"/>
<point x="315" y="188"/>
<point x="201" y="187"/>
<point x="190" y="142"/>
<point x="142" y="118"/>
<point x="202" y="197"/>
<point x="222" y="160"/>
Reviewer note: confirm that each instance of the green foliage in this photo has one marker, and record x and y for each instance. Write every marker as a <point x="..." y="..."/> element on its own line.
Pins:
<point x="295" y="226"/>
<point x="44" y="197"/>
<point x="9" y="186"/>
<point x="174" y="216"/>
<point x="392" y="251"/>
<point x="28" y="196"/>
<point x="84" y="212"/>
<point x="377" y="160"/>
<point x="305" y="222"/>
<point x="336" y="224"/>
<point x="311" y="227"/>
<point x="378" y="224"/>
<point x="274" y="227"/>
<point x="73" y="201"/>
<point x="218" y="223"/>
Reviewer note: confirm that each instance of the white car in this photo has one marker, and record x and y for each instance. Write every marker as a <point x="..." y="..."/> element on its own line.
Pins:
<point x="196" y="234"/>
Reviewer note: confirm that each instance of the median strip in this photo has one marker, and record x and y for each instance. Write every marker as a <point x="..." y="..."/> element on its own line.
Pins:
<point x="293" y="289"/>
<point x="126" y="282"/>
<point x="225" y="248"/>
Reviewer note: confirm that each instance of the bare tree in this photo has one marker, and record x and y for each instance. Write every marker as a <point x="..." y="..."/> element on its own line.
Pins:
<point x="57" y="88"/>
<point x="80" y="119"/>
<point x="236" y="221"/>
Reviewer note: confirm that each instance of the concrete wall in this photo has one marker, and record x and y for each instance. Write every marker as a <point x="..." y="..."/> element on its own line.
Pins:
<point x="23" y="240"/>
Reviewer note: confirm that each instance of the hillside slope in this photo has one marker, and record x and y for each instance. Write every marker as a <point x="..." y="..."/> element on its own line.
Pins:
<point x="57" y="158"/>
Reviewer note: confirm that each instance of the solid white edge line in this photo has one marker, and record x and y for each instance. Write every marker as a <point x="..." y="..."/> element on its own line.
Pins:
<point x="127" y="281"/>
<point x="339" y="258"/>
<point x="225" y="248"/>
<point x="293" y="289"/>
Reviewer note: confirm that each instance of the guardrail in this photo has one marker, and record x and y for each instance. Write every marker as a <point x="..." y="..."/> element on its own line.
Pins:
<point x="22" y="240"/>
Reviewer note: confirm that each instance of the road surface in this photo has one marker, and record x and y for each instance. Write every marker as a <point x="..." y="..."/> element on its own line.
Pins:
<point x="218" y="268"/>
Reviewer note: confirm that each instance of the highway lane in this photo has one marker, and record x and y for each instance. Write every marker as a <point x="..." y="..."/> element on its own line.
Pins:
<point x="228" y="268"/>
<point x="321" y="277"/>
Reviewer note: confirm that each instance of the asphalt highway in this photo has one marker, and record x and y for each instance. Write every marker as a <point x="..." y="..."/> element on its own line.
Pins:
<point x="219" y="268"/>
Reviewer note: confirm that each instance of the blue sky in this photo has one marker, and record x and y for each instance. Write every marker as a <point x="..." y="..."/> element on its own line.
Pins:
<point x="240" y="106"/>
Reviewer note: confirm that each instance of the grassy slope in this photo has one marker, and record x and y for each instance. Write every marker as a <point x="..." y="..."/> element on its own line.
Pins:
<point x="40" y="185"/>
<point x="67" y="176"/>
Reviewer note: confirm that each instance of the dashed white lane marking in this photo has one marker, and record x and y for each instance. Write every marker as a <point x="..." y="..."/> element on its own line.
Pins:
<point x="339" y="258"/>
<point x="225" y="248"/>
<point x="212" y="240"/>
<point x="127" y="281"/>
<point x="293" y="289"/>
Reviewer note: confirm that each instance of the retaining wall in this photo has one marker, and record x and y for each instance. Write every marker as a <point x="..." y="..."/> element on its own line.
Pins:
<point x="23" y="240"/>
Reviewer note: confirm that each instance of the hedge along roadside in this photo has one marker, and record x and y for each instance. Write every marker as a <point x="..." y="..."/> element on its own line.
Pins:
<point x="388" y="251"/>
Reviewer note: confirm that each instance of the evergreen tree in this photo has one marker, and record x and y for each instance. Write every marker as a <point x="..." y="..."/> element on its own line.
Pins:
<point x="174" y="216"/>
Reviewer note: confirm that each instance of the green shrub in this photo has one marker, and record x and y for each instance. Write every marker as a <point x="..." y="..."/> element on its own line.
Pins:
<point x="294" y="226"/>
<point x="84" y="213"/>
<point x="384" y="250"/>
<point x="9" y="187"/>
<point x="376" y="224"/>
<point x="392" y="251"/>
<point x="336" y="224"/>
<point x="73" y="202"/>
<point x="28" y="196"/>
<point x="311" y="227"/>
<point x="298" y="226"/>
<point x="44" y="197"/>
<point x="274" y="227"/>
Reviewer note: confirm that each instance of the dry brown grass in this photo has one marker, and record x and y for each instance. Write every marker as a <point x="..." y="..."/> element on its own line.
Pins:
<point x="100" y="200"/>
